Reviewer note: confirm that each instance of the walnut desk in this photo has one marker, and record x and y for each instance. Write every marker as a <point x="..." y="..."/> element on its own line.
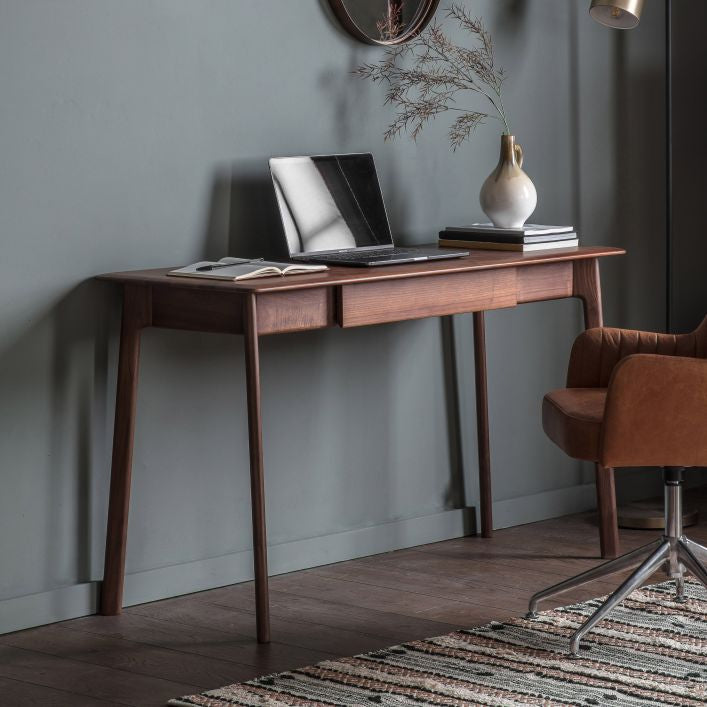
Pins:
<point x="343" y="297"/>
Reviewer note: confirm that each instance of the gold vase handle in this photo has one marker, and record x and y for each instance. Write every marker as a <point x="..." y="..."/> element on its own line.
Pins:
<point x="519" y="154"/>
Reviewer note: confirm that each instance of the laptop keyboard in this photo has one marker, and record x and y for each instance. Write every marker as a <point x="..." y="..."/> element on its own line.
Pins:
<point x="369" y="254"/>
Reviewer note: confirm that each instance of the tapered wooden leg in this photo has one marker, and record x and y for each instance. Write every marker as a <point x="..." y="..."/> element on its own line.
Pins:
<point x="257" y="483"/>
<point x="606" y="501"/>
<point x="587" y="286"/>
<point x="136" y="315"/>
<point x="482" y="426"/>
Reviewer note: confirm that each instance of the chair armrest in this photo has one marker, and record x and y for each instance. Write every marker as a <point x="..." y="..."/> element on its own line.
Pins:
<point x="596" y="352"/>
<point x="656" y="413"/>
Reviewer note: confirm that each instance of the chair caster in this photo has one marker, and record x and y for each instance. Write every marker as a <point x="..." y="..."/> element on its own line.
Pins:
<point x="531" y="615"/>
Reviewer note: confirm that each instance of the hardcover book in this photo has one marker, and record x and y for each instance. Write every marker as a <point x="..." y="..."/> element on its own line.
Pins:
<point x="520" y="247"/>
<point x="529" y="229"/>
<point x="464" y="237"/>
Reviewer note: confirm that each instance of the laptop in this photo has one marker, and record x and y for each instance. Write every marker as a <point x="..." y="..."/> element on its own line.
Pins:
<point x="333" y="212"/>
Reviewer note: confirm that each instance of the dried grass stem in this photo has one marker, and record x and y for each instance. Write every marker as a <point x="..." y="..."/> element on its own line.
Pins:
<point x="425" y="76"/>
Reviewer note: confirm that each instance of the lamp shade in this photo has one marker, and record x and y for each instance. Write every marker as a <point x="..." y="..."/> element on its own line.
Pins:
<point x="620" y="14"/>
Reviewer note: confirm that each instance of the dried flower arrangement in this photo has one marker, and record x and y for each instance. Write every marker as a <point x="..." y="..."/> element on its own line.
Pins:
<point x="425" y="76"/>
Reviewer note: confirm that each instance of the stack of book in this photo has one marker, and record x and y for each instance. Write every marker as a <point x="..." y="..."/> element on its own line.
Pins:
<point x="528" y="238"/>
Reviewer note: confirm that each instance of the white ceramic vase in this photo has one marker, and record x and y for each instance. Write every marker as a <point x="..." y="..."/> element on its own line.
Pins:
<point x="508" y="196"/>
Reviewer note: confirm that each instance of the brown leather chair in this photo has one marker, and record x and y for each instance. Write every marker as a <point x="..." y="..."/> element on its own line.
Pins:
<point x="634" y="399"/>
<point x="631" y="424"/>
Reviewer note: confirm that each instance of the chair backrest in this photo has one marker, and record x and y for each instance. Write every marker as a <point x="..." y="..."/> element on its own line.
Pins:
<point x="596" y="352"/>
<point x="656" y="412"/>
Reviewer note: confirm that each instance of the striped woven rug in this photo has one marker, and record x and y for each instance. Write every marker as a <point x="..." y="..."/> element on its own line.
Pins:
<point x="651" y="651"/>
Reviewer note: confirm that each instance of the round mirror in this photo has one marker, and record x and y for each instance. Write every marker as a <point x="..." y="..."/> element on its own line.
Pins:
<point x="384" y="21"/>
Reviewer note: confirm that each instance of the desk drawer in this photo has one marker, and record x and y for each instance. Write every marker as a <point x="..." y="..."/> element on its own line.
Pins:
<point x="426" y="296"/>
<point x="297" y="310"/>
<point x="544" y="282"/>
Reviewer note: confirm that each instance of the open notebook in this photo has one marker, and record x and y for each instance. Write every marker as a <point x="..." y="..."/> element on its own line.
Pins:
<point x="243" y="269"/>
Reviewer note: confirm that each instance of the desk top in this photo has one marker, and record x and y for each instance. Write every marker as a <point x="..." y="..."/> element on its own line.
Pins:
<point x="476" y="260"/>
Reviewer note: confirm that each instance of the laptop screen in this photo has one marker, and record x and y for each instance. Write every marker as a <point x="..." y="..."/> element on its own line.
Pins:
<point x="330" y="202"/>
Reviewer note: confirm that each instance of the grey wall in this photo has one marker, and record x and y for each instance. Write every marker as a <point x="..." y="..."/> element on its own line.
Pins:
<point x="135" y="133"/>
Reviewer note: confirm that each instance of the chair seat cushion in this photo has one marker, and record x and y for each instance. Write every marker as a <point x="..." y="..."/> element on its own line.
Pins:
<point x="572" y="419"/>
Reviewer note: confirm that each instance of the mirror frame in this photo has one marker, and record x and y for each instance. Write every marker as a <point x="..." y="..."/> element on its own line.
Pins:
<point x="424" y="15"/>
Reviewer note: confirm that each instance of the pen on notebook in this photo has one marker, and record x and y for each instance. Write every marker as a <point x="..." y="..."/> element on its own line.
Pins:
<point x="215" y="266"/>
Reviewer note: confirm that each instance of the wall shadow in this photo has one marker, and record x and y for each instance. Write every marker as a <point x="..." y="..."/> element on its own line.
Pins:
<point x="255" y="229"/>
<point x="456" y="492"/>
<point x="217" y="217"/>
<point x="58" y="367"/>
<point x="639" y="209"/>
<point x="349" y="95"/>
<point x="61" y="362"/>
<point x="241" y="216"/>
<point x="511" y="15"/>
<point x="80" y="334"/>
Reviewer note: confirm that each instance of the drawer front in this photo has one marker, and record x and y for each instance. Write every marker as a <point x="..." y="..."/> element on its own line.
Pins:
<point x="197" y="310"/>
<point x="296" y="310"/>
<point x="544" y="282"/>
<point x="426" y="296"/>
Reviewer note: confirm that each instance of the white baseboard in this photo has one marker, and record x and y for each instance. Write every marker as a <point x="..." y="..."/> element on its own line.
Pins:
<point x="82" y="599"/>
<point x="541" y="506"/>
<point x="48" y="607"/>
<point x="70" y="602"/>
<point x="297" y="555"/>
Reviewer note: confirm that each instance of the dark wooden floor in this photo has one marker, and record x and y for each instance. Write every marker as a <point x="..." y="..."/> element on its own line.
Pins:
<point x="189" y="644"/>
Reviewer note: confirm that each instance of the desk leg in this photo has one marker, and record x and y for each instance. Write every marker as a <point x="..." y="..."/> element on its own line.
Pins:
<point x="482" y="426"/>
<point x="257" y="485"/>
<point x="587" y="286"/>
<point x="136" y="315"/>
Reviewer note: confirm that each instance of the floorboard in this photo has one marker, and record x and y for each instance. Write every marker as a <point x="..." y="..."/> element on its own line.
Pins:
<point x="83" y="678"/>
<point x="188" y="644"/>
<point x="15" y="693"/>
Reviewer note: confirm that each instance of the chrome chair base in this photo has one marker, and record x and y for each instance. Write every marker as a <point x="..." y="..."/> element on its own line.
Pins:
<point x="673" y="551"/>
